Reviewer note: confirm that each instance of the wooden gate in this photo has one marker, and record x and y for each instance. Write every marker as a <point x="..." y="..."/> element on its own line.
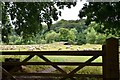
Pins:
<point x="110" y="62"/>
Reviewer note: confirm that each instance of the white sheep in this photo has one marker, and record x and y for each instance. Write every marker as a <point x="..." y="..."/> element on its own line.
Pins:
<point x="78" y="49"/>
<point x="86" y="49"/>
<point x="30" y="48"/>
<point x="60" y="49"/>
<point x="68" y="46"/>
<point x="95" y="48"/>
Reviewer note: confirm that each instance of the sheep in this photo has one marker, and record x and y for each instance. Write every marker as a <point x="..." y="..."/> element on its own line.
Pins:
<point x="38" y="48"/>
<point x="14" y="47"/>
<point x="60" y="48"/>
<point x="44" y="48"/>
<point x="30" y="48"/>
<point x="99" y="48"/>
<point x="54" y="46"/>
<point x="72" y="48"/>
<point x="86" y="49"/>
<point x="95" y="48"/>
<point x="68" y="46"/>
<point x="78" y="49"/>
<point x="19" y="48"/>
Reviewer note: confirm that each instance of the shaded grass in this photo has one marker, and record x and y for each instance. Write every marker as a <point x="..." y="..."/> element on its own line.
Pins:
<point x="52" y="59"/>
<point x="54" y="47"/>
<point x="85" y="70"/>
<point x="50" y="47"/>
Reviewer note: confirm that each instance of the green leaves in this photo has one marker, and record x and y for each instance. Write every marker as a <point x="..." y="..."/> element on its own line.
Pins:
<point x="104" y="13"/>
<point x="27" y="17"/>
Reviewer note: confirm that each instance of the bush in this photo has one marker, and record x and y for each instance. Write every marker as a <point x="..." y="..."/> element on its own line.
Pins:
<point x="100" y="39"/>
<point x="51" y="36"/>
<point x="91" y="36"/>
<point x="81" y="39"/>
<point x="14" y="39"/>
<point x="42" y="41"/>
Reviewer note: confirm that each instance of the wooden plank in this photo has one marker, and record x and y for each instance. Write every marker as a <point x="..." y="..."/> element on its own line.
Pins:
<point x="28" y="58"/>
<point x="7" y="73"/>
<point x="58" y="53"/>
<point x="104" y="61"/>
<point x="55" y="66"/>
<point x="81" y="66"/>
<point x="111" y="70"/>
<point x="57" y="75"/>
<point x="24" y="61"/>
<point x="55" y="63"/>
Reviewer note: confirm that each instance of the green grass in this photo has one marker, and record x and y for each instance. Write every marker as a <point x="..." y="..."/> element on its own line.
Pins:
<point x="56" y="59"/>
<point x="55" y="47"/>
<point x="50" y="47"/>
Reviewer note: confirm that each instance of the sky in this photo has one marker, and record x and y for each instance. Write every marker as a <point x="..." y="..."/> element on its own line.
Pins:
<point x="72" y="13"/>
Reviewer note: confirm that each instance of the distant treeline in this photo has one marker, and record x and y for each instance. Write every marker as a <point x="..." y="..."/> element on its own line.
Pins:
<point x="72" y="31"/>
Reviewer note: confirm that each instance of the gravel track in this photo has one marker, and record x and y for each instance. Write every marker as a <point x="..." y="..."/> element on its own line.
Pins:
<point x="49" y="70"/>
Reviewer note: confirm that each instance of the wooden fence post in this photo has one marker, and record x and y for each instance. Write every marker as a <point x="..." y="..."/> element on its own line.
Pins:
<point x="104" y="60"/>
<point x="111" y="60"/>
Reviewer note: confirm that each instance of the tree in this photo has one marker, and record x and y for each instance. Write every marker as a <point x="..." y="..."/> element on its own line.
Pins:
<point x="72" y="35"/>
<point x="100" y="38"/>
<point x="15" y="39"/>
<point x="64" y="34"/>
<point x="75" y="32"/>
<point x="81" y="38"/>
<point x="51" y="36"/>
<point x="91" y="35"/>
<point x="27" y="17"/>
<point x="104" y="13"/>
<point x="79" y="25"/>
<point x="6" y="27"/>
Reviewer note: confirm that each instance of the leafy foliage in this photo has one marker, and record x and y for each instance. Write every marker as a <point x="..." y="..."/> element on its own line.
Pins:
<point x="92" y="35"/>
<point x="80" y="34"/>
<point x="64" y="34"/>
<point x="51" y="36"/>
<point x="81" y="38"/>
<point x="5" y="22"/>
<point x="79" y="25"/>
<point x="104" y="13"/>
<point x="28" y="17"/>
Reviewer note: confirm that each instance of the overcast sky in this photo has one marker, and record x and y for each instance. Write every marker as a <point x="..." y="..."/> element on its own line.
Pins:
<point x="72" y="13"/>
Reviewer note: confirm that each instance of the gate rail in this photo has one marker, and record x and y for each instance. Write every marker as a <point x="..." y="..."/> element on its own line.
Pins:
<point x="110" y="62"/>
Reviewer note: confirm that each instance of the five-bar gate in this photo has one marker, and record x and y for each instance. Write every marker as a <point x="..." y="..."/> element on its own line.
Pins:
<point x="110" y="62"/>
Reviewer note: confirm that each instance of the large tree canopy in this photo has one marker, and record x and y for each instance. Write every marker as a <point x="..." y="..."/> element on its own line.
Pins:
<point x="106" y="14"/>
<point x="27" y="17"/>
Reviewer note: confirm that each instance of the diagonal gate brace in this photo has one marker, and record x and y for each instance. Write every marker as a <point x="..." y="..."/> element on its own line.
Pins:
<point x="80" y="67"/>
<point x="24" y="61"/>
<point x="55" y="66"/>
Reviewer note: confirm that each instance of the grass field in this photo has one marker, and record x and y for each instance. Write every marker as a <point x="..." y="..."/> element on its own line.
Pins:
<point x="56" y="47"/>
<point x="50" y="47"/>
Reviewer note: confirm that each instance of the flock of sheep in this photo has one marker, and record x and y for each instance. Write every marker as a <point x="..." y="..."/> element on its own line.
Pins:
<point x="45" y="47"/>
